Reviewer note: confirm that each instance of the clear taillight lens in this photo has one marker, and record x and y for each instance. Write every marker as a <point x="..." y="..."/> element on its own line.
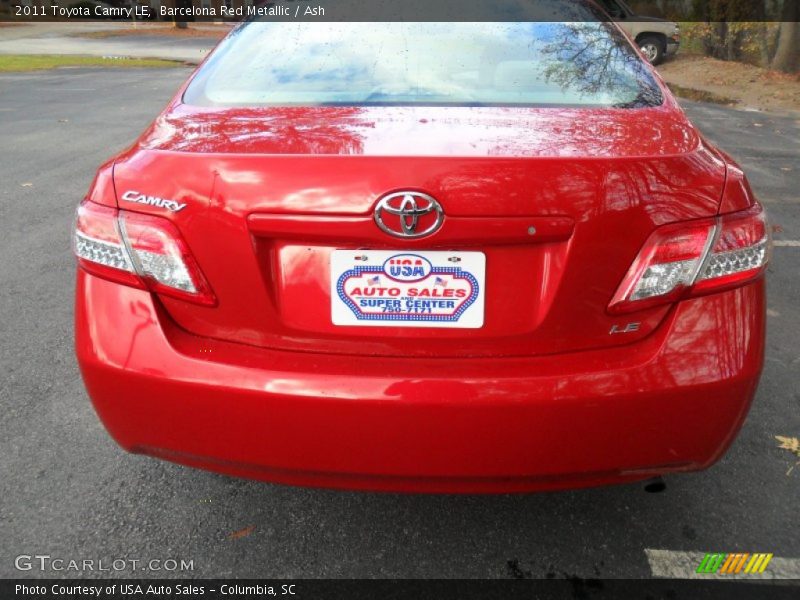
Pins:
<point x="97" y="242"/>
<point x="740" y="253"/>
<point x="140" y="250"/>
<point x="695" y="258"/>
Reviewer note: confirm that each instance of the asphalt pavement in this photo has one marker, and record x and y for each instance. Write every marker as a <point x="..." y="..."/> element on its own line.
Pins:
<point x="66" y="38"/>
<point x="67" y="491"/>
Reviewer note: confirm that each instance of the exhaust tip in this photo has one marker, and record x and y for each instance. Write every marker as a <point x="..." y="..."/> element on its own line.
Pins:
<point x="655" y="486"/>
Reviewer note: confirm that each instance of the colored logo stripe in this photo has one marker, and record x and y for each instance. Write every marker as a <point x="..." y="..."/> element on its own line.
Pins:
<point x="734" y="563"/>
<point x="758" y="563"/>
<point x="711" y="563"/>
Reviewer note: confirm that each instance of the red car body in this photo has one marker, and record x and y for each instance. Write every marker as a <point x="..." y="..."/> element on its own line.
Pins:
<point x="558" y="388"/>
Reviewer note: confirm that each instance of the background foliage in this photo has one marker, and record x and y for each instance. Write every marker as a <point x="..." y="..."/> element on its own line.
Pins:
<point x="762" y="32"/>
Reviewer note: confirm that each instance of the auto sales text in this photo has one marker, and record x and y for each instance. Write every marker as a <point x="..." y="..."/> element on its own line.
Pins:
<point x="126" y="589"/>
<point x="75" y="591"/>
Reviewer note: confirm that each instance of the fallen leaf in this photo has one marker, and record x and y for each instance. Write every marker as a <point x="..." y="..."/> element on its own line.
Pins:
<point x="792" y="444"/>
<point x="242" y="533"/>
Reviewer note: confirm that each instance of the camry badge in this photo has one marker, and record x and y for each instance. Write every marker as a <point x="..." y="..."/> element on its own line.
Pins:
<point x="408" y="214"/>
<point x="134" y="196"/>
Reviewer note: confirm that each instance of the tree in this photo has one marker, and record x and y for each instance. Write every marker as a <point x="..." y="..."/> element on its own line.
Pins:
<point x="765" y="32"/>
<point x="787" y="55"/>
<point x="181" y="24"/>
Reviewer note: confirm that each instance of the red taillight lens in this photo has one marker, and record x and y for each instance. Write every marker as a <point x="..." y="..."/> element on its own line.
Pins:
<point x="140" y="250"/>
<point x="665" y="267"/>
<point x="162" y="257"/>
<point x="695" y="258"/>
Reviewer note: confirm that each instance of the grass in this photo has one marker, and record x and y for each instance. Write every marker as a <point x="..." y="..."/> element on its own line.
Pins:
<point x="219" y="32"/>
<point x="36" y="62"/>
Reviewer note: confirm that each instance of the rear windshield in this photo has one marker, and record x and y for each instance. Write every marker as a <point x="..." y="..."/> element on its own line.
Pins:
<point x="462" y="64"/>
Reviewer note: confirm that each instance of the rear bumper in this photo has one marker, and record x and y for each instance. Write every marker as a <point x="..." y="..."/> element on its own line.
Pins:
<point x="673" y="402"/>
<point x="672" y="47"/>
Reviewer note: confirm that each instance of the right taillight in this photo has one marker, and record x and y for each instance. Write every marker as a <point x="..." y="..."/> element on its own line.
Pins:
<point x="694" y="258"/>
<point x="740" y="252"/>
<point x="140" y="250"/>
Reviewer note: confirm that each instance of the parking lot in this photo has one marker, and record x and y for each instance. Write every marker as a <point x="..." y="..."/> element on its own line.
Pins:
<point x="69" y="492"/>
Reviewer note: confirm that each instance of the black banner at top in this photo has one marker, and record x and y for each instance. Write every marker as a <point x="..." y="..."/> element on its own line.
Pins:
<point x="402" y="10"/>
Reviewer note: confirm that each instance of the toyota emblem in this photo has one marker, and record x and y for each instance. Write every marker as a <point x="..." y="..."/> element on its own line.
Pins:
<point x="409" y="214"/>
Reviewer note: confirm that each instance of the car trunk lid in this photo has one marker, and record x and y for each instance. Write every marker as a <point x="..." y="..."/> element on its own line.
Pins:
<point x="558" y="201"/>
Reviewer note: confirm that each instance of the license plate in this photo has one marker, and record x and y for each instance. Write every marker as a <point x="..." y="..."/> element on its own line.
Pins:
<point x="407" y="289"/>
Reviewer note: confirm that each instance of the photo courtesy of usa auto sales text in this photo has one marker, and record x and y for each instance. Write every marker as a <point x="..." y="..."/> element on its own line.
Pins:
<point x="133" y="589"/>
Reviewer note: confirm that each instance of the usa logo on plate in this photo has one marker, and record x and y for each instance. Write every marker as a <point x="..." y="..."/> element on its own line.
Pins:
<point x="425" y="289"/>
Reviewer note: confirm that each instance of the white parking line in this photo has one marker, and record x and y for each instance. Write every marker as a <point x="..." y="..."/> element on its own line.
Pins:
<point x="683" y="565"/>
<point x="789" y="243"/>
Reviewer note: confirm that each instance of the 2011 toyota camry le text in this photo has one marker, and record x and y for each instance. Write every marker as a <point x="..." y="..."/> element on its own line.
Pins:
<point x="426" y="257"/>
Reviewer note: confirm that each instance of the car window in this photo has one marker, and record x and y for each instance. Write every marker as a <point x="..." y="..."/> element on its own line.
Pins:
<point x="465" y="64"/>
<point x="613" y="8"/>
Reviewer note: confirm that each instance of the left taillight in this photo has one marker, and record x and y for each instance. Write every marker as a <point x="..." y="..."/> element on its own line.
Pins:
<point x="695" y="258"/>
<point x="143" y="251"/>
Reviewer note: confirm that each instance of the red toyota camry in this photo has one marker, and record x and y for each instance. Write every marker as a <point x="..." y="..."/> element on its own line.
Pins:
<point x="429" y="257"/>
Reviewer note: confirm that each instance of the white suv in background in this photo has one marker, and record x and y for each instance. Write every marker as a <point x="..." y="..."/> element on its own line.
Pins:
<point x="656" y="38"/>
